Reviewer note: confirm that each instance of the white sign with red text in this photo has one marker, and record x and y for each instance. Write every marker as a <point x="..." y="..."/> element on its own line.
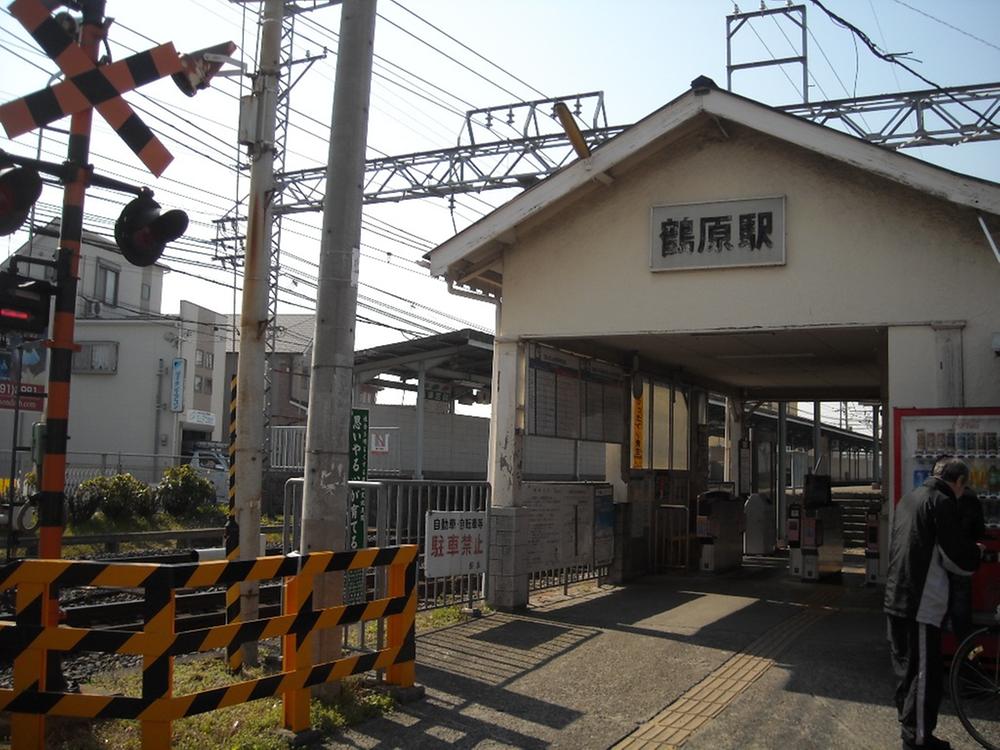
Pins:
<point x="455" y="543"/>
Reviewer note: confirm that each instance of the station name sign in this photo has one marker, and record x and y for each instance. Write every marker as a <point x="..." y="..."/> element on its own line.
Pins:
<point x="722" y="234"/>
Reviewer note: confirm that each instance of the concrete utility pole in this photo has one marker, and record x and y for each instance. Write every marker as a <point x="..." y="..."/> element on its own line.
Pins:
<point x="253" y="319"/>
<point x="331" y="387"/>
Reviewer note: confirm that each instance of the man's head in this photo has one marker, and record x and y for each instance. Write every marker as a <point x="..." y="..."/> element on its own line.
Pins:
<point x="953" y="472"/>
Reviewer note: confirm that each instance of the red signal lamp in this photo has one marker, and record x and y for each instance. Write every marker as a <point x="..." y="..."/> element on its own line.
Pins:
<point x="24" y="304"/>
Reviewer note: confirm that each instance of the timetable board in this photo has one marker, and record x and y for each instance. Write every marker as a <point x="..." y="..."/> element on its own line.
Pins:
<point x="573" y="397"/>
<point x="560" y="524"/>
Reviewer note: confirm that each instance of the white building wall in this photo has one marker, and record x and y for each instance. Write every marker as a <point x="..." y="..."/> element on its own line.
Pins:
<point x="116" y="412"/>
<point x="860" y="251"/>
<point x="454" y="444"/>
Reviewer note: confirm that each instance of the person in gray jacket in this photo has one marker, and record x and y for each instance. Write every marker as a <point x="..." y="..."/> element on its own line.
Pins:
<point x="927" y="543"/>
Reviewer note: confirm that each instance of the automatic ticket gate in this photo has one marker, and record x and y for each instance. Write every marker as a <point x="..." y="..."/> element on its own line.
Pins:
<point x="720" y="530"/>
<point x="872" y="525"/>
<point x="760" y="537"/>
<point x="814" y="532"/>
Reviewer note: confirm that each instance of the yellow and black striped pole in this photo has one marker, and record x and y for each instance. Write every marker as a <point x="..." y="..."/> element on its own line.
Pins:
<point x="234" y="654"/>
<point x="74" y="59"/>
<point x="158" y="661"/>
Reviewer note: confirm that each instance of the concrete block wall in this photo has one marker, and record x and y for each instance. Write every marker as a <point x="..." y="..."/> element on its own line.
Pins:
<point x="508" y="583"/>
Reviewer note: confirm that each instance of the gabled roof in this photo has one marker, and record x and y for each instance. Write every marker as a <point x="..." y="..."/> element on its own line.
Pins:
<point x="470" y="256"/>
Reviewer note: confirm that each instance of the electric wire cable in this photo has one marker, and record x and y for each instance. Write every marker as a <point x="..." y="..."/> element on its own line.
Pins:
<point x="896" y="61"/>
<point x="950" y="26"/>
<point x="470" y="49"/>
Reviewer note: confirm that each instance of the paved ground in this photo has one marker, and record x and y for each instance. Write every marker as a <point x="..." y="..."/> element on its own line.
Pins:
<point x="750" y="659"/>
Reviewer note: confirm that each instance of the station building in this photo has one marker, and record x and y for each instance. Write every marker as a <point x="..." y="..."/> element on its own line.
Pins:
<point x="716" y="246"/>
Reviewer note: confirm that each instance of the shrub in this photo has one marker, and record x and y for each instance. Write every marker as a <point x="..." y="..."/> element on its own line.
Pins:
<point x="182" y="492"/>
<point x="83" y="502"/>
<point x="119" y="497"/>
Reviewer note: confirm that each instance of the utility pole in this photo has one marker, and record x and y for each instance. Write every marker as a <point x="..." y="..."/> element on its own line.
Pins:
<point x="253" y="318"/>
<point x="331" y="387"/>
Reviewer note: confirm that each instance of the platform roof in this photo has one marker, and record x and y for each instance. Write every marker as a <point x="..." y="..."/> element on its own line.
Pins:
<point x="462" y="359"/>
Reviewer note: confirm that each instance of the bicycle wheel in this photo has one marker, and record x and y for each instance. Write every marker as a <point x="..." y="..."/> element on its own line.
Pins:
<point x="975" y="686"/>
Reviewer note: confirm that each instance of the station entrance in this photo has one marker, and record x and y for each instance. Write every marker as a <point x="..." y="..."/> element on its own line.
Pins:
<point x="692" y="443"/>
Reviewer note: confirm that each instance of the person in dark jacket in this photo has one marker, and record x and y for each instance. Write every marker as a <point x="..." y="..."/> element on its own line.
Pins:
<point x="927" y="543"/>
<point x="970" y="517"/>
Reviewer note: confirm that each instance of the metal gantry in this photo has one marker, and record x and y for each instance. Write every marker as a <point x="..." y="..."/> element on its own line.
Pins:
<point x="931" y="117"/>
<point x="486" y="160"/>
<point x="914" y="118"/>
<point x="796" y="14"/>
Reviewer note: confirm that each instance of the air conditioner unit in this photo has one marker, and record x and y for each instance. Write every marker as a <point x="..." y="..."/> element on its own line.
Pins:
<point x="91" y="308"/>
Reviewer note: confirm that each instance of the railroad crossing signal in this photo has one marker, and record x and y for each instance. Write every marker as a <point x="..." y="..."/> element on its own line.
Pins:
<point x="142" y="232"/>
<point x="89" y="85"/>
<point x="19" y="189"/>
<point x="24" y="304"/>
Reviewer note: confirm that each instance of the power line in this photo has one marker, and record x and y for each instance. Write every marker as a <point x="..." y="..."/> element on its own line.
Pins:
<point x="466" y="47"/>
<point x="896" y="61"/>
<point x="885" y="44"/>
<point x="950" y="26"/>
<point x="454" y="60"/>
<point x="780" y="67"/>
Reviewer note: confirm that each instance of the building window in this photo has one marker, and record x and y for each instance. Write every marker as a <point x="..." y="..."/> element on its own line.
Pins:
<point x="146" y="292"/>
<point x="208" y="385"/>
<point x="198" y="383"/>
<point x="107" y="284"/>
<point x="199" y="357"/>
<point x="97" y="357"/>
<point x="209" y="360"/>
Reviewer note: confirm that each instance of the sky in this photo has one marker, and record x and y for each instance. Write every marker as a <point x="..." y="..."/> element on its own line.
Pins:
<point x="437" y="59"/>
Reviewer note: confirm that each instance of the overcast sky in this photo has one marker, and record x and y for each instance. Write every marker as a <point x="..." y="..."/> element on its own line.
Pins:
<point x="437" y="59"/>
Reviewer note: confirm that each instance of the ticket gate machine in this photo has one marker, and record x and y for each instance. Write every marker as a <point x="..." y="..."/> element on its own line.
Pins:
<point x="872" y="523"/>
<point x="760" y="537"/>
<point x="720" y="531"/>
<point x="814" y="532"/>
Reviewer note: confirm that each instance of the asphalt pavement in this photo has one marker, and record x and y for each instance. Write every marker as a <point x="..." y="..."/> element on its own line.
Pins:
<point x="746" y="659"/>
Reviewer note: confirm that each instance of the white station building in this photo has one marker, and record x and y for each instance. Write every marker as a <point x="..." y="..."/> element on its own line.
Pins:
<point x="716" y="246"/>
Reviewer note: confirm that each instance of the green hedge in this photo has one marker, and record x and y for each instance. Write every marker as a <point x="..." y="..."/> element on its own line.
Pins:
<point x="118" y="498"/>
<point x="183" y="493"/>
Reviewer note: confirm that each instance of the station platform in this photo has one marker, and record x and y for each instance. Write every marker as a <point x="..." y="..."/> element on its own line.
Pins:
<point x="746" y="659"/>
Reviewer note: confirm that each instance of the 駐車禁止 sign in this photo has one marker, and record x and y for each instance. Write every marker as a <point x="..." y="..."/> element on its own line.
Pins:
<point x="454" y="543"/>
<point x="722" y="234"/>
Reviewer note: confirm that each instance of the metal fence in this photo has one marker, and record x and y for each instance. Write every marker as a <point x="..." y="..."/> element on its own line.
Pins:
<point x="396" y="514"/>
<point x="288" y="447"/>
<point x="82" y="465"/>
<point x="554" y="577"/>
<point x="671" y="537"/>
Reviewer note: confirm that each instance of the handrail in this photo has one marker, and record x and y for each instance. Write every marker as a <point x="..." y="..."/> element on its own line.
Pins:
<point x="32" y="634"/>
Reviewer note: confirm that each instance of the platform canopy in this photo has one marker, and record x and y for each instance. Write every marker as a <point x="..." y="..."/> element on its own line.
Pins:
<point x="461" y="360"/>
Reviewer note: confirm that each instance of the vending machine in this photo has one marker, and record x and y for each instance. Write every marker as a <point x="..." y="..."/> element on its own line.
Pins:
<point x="973" y="435"/>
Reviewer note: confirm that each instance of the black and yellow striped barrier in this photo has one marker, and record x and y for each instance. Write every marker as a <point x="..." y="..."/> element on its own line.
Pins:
<point x="27" y="639"/>
<point x="234" y="654"/>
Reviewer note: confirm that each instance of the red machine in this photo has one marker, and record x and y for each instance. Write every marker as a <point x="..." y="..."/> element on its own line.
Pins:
<point x="921" y="436"/>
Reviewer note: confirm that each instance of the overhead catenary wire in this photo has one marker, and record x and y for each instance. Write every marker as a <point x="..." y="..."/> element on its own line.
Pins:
<point x="470" y="49"/>
<point x="885" y="45"/>
<point x="896" y="61"/>
<point x="949" y="25"/>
